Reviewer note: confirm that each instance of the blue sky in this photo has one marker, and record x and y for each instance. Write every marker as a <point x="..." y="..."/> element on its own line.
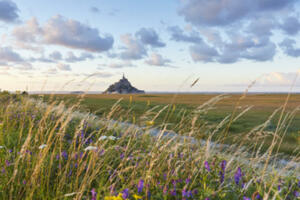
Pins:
<point x="159" y="45"/>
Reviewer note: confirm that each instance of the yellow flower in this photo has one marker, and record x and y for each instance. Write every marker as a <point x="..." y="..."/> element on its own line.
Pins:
<point x="119" y="197"/>
<point x="150" y="123"/>
<point x="137" y="197"/>
<point x="174" y="107"/>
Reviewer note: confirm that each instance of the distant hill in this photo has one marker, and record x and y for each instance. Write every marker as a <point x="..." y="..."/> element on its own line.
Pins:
<point x="123" y="86"/>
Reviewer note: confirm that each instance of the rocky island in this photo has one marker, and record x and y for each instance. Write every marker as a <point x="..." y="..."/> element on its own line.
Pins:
<point x="123" y="86"/>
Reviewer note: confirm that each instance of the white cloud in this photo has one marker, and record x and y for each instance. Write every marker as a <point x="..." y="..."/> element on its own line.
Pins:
<point x="134" y="48"/>
<point x="63" y="32"/>
<point x="157" y="60"/>
<point x="8" y="11"/>
<point x="64" y="67"/>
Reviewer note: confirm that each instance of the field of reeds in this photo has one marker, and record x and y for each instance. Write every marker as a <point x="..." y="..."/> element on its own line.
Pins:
<point x="53" y="148"/>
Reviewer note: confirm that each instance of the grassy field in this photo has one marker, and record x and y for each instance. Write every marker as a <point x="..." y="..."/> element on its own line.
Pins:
<point x="262" y="107"/>
<point x="52" y="149"/>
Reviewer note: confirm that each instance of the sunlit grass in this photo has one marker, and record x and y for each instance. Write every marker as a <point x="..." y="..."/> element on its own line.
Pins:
<point x="53" y="151"/>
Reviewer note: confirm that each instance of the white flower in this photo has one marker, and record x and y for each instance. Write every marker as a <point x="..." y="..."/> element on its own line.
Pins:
<point x="112" y="138"/>
<point x="90" y="148"/>
<point x="103" y="137"/>
<point x="42" y="146"/>
<point x="1" y="147"/>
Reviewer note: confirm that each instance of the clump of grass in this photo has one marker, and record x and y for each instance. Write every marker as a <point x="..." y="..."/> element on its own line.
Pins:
<point x="50" y="151"/>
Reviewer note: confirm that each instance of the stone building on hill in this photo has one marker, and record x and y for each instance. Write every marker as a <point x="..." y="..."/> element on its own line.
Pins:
<point x="123" y="86"/>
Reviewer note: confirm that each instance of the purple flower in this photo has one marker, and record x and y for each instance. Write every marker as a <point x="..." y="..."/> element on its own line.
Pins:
<point x="296" y="194"/>
<point x="187" y="181"/>
<point x="174" y="182"/>
<point x="258" y="196"/>
<point x="195" y="192"/>
<point x="125" y="193"/>
<point x="246" y="198"/>
<point x="238" y="176"/>
<point x="207" y="198"/>
<point x="173" y="192"/>
<point x="221" y="177"/>
<point x="64" y="155"/>
<point x="2" y="170"/>
<point x="299" y="184"/>
<point x="279" y="188"/>
<point x="206" y="165"/>
<point x="7" y="163"/>
<point x="140" y="186"/>
<point x="24" y="182"/>
<point x="165" y="191"/>
<point x="94" y="194"/>
<point x="223" y="165"/>
<point x="184" y="193"/>
<point x="165" y="176"/>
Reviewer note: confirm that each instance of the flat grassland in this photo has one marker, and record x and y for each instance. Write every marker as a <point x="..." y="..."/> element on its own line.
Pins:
<point x="262" y="107"/>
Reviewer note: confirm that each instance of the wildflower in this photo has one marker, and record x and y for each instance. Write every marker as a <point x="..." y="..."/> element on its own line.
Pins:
<point x="257" y="196"/>
<point x="246" y="198"/>
<point x="150" y="123"/>
<point x="64" y="155"/>
<point x="165" y="190"/>
<point x="195" y="191"/>
<point x="103" y="137"/>
<point x="207" y="198"/>
<point x="140" y="186"/>
<point x="173" y="192"/>
<point x="190" y="194"/>
<point x="296" y="194"/>
<point x="1" y="147"/>
<point x="207" y="167"/>
<point x="238" y="176"/>
<point x="137" y="197"/>
<point x="101" y="153"/>
<point x="125" y="193"/>
<point x="90" y="148"/>
<point x="221" y="177"/>
<point x="187" y="181"/>
<point x="94" y="194"/>
<point x="2" y="170"/>
<point x="279" y="188"/>
<point x="223" y="165"/>
<point x="7" y="163"/>
<point x="112" y="138"/>
<point x="42" y="146"/>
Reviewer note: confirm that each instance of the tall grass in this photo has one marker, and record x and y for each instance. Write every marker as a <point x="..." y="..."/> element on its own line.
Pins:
<point x="51" y="151"/>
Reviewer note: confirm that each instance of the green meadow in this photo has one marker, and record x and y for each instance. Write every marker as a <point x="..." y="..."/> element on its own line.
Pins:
<point x="103" y="147"/>
<point x="255" y="110"/>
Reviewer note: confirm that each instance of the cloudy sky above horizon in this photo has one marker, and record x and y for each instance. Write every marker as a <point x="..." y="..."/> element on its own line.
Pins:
<point x="159" y="45"/>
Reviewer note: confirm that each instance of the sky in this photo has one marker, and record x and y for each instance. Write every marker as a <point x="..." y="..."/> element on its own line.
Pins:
<point x="67" y="45"/>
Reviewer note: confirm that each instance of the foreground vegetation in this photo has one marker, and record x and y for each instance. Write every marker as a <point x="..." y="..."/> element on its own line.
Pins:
<point x="52" y="151"/>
